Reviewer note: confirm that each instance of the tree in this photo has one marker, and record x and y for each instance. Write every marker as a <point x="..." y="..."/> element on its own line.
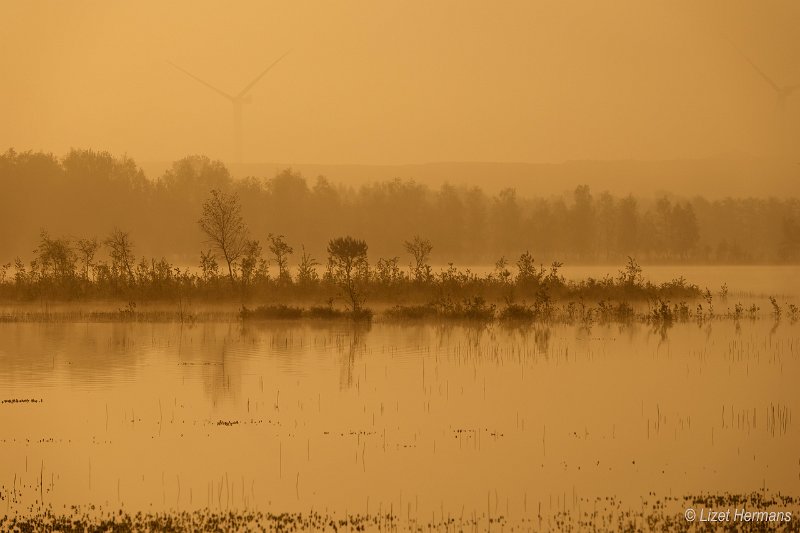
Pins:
<point x="501" y="271"/>
<point x="306" y="271"/>
<point x="252" y="265"/>
<point x="120" y="248"/>
<point x="528" y="274"/>
<point x="661" y="232"/>
<point x="789" y="247"/>
<point x="56" y="259"/>
<point x="627" y="226"/>
<point x="87" y="248"/>
<point x="387" y="271"/>
<point x="506" y="219"/>
<point x="450" y="219"/>
<point x="281" y="250"/>
<point x="631" y="274"/>
<point x="582" y="222"/>
<point x="347" y="264"/>
<point x="191" y="176"/>
<point x="684" y="231"/>
<point x="209" y="266"/>
<point x="606" y="225"/>
<point x="222" y="222"/>
<point x="101" y="170"/>
<point x="420" y="249"/>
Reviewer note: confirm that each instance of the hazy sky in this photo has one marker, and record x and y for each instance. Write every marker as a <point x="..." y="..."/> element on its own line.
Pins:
<point x="401" y="82"/>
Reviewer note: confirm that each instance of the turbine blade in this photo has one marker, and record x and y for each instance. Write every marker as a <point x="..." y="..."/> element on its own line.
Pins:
<point x="218" y="91"/>
<point x="761" y="73"/>
<point x="258" y="78"/>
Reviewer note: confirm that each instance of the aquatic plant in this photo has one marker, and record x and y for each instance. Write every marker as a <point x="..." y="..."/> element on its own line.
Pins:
<point x="776" y="309"/>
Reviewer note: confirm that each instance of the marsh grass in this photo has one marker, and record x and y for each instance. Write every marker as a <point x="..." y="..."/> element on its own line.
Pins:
<point x="542" y="310"/>
<point x="473" y="309"/>
<point x="659" y="312"/>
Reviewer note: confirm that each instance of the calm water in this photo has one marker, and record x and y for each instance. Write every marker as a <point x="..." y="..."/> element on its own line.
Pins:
<point x="413" y="419"/>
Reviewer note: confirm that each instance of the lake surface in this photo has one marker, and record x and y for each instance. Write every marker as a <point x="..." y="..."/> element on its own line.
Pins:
<point x="417" y="420"/>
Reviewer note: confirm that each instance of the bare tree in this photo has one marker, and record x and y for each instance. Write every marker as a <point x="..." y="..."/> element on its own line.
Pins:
<point x="281" y="250"/>
<point x="87" y="248"/>
<point x="120" y="248"/>
<point x="420" y="249"/>
<point x="223" y="224"/>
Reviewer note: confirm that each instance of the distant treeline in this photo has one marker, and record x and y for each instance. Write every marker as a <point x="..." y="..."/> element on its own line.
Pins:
<point x="87" y="194"/>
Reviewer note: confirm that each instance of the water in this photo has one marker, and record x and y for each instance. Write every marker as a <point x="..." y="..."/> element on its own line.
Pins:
<point x="420" y="420"/>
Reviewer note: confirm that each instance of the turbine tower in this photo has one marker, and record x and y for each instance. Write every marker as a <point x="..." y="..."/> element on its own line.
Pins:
<point x="238" y="100"/>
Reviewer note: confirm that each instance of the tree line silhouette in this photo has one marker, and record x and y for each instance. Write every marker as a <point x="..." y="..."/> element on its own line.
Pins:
<point x="87" y="193"/>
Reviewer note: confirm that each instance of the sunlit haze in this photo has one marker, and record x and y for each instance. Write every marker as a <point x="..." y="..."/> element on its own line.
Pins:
<point x="407" y="82"/>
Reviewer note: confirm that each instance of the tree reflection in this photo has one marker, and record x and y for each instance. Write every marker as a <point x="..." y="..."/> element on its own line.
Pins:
<point x="350" y="343"/>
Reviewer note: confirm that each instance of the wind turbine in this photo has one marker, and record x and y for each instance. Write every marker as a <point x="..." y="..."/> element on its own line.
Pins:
<point x="783" y="92"/>
<point x="238" y="100"/>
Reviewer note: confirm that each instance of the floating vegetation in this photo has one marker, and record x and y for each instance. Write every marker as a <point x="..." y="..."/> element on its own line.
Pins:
<point x="199" y="520"/>
<point x="284" y="312"/>
<point x="412" y="312"/>
<point x="250" y="422"/>
<point x="757" y="511"/>
<point x="475" y="309"/>
<point x="272" y="312"/>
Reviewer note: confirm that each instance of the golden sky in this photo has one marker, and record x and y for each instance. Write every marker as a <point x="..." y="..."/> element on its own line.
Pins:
<point x="402" y="82"/>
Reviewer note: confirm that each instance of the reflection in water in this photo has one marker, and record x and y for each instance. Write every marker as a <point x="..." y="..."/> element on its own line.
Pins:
<point x="347" y="338"/>
<point x="423" y="418"/>
<point x="349" y="346"/>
